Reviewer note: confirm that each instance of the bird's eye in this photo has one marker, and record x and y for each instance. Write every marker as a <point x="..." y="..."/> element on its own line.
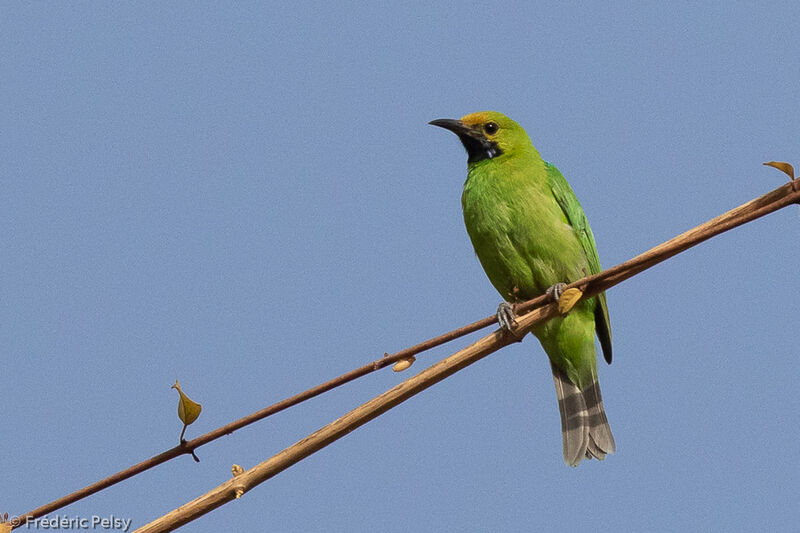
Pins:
<point x="491" y="128"/>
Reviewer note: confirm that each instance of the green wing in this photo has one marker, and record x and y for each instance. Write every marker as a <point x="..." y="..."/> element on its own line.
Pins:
<point x="577" y="219"/>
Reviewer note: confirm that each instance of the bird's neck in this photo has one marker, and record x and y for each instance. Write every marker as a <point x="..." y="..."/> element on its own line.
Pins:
<point x="507" y="170"/>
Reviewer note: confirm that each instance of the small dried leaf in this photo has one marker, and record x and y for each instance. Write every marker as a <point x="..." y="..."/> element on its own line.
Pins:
<point x="786" y="168"/>
<point x="403" y="364"/>
<point x="568" y="300"/>
<point x="188" y="410"/>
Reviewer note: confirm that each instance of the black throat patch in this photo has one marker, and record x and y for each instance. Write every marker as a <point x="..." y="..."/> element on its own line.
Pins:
<point x="479" y="149"/>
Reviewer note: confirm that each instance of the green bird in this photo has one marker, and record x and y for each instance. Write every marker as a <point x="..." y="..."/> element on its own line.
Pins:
<point x="531" y="235"/>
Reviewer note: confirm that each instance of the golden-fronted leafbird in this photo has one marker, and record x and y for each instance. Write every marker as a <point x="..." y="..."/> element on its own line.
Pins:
<point x="531" y="236"/>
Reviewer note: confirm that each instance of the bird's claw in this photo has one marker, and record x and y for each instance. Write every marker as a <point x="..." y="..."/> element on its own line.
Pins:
<point x="506" y="317"/>
<point x="554" y="292"/>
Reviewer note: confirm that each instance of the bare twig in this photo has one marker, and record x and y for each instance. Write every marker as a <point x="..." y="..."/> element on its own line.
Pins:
<point x="335" y="430"/>
<point x="237" y="486"/>
<point x="761" y="206"/>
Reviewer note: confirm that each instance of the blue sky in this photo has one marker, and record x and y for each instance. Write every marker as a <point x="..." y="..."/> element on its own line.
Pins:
<point x="248" y="198"/>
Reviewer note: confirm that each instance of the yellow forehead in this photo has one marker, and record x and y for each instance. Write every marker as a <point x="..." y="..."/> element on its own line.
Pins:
<point x="481" y="117"/>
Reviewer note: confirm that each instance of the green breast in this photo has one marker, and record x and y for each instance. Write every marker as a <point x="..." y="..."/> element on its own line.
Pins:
<point x="519" y="232"/>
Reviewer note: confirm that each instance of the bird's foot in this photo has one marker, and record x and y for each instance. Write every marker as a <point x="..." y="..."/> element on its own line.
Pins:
<point x="506" y="317"/>
<point x="554" y="292"/>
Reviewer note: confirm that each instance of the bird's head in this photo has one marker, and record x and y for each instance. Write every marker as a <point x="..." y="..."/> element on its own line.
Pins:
<point x="487" y="134"/>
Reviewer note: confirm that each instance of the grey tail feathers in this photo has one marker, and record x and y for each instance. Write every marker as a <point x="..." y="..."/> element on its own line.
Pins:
<point x="584" y="427"/>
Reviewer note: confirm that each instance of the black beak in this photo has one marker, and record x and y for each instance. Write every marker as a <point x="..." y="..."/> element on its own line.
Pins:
<point x="456" y="126"/>
<point x="472" y="137"/>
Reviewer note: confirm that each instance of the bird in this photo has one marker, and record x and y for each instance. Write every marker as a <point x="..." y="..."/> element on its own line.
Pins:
<point x="531" y="237"/>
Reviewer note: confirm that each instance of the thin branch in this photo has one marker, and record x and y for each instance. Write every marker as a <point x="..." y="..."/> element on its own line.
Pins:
<point x="188" y="447"/>
<point x="236" y="487"/>
<point x="319" y="439"/>
<point x="761" y="206"/>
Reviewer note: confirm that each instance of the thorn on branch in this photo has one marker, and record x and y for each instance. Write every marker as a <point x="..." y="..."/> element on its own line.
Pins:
<point x="184" y="445"/>
<point x="787" y="169"/>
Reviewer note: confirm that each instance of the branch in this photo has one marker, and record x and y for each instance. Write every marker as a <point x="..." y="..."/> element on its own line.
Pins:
<point x="590" y="286"/>
<point x="188" y="447"/>
<point x="763" y="205"/>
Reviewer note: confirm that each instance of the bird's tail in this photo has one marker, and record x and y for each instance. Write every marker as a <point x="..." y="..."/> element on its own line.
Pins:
<point x="584" y="427"/>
